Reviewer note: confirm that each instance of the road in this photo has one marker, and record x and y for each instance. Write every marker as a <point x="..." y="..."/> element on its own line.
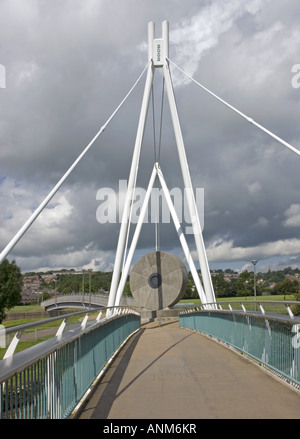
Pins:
<point x="167" y="372"/>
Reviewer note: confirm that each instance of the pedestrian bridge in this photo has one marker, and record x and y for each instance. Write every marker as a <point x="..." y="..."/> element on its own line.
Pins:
<point x="170" y="371"/>
<point x="211" y="363"/>
<point x="81" y="300"/>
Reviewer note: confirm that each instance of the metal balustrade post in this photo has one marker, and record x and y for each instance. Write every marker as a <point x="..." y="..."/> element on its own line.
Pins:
<point x="13" y="345"/>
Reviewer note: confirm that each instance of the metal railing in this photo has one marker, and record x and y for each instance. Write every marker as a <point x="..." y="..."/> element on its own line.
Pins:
<point x="47" y="381"/>
<point x="82" y="300"/>
<point x="271" y="339"/>
<point x="263" y="306"/>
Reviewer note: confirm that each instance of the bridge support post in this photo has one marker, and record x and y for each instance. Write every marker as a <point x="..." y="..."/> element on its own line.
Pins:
<point x="132" y="178"/>
<point x="208" y="287"/>
<point x="158" y="52"/>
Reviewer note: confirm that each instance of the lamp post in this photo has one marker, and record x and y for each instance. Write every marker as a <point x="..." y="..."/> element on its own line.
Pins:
<point x="83" y="285"/>
<point x="254" y="262"/>
<point x="90" y="286"/>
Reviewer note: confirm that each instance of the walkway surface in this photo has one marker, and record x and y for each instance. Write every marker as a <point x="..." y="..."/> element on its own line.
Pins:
<point x="169" y="372"/>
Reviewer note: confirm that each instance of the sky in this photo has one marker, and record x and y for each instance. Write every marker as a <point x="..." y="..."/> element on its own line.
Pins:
<point x="66" y="65"/>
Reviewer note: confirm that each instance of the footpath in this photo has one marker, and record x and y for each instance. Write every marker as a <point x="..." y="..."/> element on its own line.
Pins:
<point x="167" y="372"/>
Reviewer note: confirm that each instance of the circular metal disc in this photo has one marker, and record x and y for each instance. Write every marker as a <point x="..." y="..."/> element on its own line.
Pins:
<point x="158" y="280"/>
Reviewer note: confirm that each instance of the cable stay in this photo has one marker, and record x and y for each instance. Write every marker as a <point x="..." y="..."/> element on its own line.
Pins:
<point x="248" y="119"/>
<point x="44" y="203"/>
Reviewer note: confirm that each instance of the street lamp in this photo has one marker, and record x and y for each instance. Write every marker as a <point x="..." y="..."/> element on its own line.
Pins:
<point x="90" y="286"/>
<point x="83" y="285"/>
<point x="254" y="262"/>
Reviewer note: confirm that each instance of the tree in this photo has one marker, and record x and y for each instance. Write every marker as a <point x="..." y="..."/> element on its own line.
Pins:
<point x="221" y="287"/>
<point x="191" y="290"/>
<point x="244" y="284"/>
<point x="286" y="287"/>
<point x="127" y="290"/>
<point x="10" y="286"/>
<point x="44" y="296"/>
<point x="296" y="308"/>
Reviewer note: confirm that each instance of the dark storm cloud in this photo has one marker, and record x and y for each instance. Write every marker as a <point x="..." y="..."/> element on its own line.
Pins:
<point x="69" y="65"/>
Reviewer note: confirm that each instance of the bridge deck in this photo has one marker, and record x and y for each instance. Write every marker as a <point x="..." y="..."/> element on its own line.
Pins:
<point x="171" y="373"/>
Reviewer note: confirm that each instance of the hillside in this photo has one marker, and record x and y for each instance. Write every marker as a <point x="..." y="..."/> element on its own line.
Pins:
<point x="226" y="283"/>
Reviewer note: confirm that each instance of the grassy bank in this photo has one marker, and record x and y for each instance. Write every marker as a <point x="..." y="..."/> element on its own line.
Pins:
<point x="247" y="298"/>
<point x="280" y="309"/>
<point x="26" y="308"/>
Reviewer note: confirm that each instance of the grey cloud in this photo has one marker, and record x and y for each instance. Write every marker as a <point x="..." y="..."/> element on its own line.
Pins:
<point x="69" y="66"/>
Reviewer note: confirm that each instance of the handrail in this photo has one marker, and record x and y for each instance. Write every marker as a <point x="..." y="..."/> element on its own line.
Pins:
<point x="280" y="302"/>
<point x="25" y="326"/>
<point x="15" y="363"/>
<point x="49" y="379"/>
<point x="270" y="339"/>
<point x="18" y="330"/>
<point x="217" y="306"/>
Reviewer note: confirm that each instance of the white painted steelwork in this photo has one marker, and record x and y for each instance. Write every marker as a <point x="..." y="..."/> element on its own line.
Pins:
<point x="158" y="51"/>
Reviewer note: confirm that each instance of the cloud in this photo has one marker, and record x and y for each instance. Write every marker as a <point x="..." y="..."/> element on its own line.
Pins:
<point x="293" y="216"/>
<point x="261" y="223"/>
<point x="254" y="188"/>
<point x="195" y="36"/>
<point x="69" y="64"/>
<point x="219" y="250"/>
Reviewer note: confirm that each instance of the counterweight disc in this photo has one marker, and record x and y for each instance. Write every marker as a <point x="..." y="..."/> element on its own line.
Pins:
<point x="158" y="280"/>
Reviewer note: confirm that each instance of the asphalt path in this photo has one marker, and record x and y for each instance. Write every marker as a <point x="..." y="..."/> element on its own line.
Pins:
<point x="167" y="372"/>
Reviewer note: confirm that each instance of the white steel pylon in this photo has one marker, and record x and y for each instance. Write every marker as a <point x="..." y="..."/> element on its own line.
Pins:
<point x="158" y="54"/>
<point x="158" y="173"/>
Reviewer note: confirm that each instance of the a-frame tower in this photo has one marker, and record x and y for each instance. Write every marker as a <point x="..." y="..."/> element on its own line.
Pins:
<point x="158" y="57"/>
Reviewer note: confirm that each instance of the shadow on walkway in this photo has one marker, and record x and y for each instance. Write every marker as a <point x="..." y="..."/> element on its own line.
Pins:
<point x="108" y="388"/>
<point x="167" y="372"/>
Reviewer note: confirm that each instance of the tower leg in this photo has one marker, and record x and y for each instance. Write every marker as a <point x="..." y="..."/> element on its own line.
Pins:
<point x="135" y="238"/>
<point x="207" y="282"/>
<point x="131" y="181"/>
<point x="182" y="239"/>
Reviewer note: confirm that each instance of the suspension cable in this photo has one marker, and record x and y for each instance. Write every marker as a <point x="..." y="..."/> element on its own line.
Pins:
<point x="153" y="124"/>
<point x="156" y="231"/>
<point x="158" y="185"/>
<point x="36" y="213"/>
<point x="157" y="150"/>
<point x="161" y="118"/>
<point x="131" y="207"/>
<point x="249" y="119"/>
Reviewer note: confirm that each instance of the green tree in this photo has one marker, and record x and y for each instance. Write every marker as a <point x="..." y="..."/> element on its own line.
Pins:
<point x="220" y="285"/>
<point x="44" y="296"/>
<point x="127" y="290"/>
<point x="286" y="287"/>
<point x="296" y="308"/>
<point x="244" y="284"/>
<point x="10" y="286"/>
<point x="191" y="290"/>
